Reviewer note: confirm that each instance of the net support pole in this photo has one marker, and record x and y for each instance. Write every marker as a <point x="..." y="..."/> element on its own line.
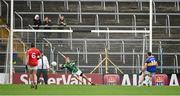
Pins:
<point x="0" y="8"/>
<point x="11" y="44"/>
<point x="150" y="26"/>
<point x="106" y="61"/>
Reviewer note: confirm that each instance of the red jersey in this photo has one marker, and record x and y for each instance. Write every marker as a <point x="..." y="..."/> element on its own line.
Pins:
<point x="32" y="56"/>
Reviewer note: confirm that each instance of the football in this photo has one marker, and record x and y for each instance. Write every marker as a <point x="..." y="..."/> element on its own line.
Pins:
<point x="53" y="63"/>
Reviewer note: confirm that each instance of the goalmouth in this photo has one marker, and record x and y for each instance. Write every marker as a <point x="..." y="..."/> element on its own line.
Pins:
<point x="12" y="30"/>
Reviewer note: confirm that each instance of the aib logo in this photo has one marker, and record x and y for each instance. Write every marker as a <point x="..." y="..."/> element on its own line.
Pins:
<point x="160" y="79"/>
<point x="111" y="79"/>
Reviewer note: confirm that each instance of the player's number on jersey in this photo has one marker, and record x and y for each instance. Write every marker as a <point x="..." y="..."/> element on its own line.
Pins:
<point x="33" y="55"/>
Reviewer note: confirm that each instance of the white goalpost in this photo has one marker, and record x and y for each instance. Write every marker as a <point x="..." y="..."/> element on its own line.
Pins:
<point x="11" y="42"/>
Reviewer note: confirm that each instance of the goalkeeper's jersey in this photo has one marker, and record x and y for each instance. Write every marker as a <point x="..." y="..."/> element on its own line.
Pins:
<point x="71" y="66"/>
<point x="151" y="64"/>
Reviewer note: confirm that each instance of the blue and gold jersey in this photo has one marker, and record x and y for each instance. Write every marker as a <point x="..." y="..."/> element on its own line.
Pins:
<point x="151" y="64"/>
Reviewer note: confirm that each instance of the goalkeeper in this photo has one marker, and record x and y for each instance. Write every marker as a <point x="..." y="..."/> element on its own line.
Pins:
<point x="70" y="65"/>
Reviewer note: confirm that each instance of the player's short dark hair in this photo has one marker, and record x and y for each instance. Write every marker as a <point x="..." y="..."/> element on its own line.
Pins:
<point x="149" y="53"/>
<point x="32" y="45"/>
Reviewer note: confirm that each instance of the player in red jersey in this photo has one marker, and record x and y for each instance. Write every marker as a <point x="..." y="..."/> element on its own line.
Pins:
<point x="32" y="56"/>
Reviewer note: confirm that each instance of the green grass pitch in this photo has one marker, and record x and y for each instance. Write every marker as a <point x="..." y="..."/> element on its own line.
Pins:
<point x="87" y="90"/>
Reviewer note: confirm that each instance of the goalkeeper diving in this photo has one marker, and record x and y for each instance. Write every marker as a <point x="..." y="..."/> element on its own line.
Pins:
<point x="70" y="66"/>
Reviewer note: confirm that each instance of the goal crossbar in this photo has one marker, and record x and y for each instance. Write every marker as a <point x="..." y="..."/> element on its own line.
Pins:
<point x="120" y="31"/>
<point x="30" y="30"/>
